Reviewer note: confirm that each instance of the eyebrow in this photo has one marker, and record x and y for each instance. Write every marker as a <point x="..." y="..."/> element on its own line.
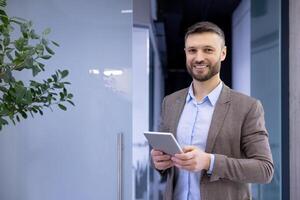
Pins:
<point x="197" y="47"/>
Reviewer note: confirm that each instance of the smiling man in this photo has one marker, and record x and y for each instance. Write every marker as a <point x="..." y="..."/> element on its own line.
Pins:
<point x="222" y="132"/>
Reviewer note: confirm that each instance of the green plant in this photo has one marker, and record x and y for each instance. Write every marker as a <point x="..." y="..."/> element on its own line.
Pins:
<point x="21" y="48"/>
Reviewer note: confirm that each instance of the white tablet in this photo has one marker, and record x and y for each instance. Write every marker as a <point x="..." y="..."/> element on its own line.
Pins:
<point x="162" y="141"/>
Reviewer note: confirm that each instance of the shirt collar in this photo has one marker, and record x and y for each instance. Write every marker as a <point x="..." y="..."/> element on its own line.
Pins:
<point x="212" y="97"/>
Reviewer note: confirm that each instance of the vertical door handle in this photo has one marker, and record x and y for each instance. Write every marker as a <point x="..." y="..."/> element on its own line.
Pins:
<point x="120" y="165"/>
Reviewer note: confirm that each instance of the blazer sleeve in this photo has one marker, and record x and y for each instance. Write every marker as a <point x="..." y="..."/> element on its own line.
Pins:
<point x="162" y="128"/>
<point x="257" y="166"/>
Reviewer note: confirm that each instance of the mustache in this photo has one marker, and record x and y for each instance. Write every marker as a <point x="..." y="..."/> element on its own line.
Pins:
<point x="202" y="62"/>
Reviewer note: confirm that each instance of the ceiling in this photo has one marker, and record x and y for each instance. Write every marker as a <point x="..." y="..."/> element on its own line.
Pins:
<point x="175" y="16"/>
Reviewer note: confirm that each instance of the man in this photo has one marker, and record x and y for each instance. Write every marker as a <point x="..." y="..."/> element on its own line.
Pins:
<point x="222" y="132"/>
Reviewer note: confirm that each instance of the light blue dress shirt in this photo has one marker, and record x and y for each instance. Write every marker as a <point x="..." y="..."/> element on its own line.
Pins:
<point x="193" y="129"/>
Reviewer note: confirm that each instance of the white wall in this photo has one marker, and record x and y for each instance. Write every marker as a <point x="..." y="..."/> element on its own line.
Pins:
<point x="241" y="50"/>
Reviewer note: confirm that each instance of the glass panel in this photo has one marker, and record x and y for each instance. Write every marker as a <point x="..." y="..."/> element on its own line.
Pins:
<point x="73" y="154"/>
<point x="140" y="113"/>
<point x="266" y="83"/>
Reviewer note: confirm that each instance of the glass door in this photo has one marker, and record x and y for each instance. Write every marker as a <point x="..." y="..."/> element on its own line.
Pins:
<point x="85" y="152"/>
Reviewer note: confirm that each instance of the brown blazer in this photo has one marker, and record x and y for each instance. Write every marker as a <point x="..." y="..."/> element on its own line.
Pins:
<point x="239" y="140"/>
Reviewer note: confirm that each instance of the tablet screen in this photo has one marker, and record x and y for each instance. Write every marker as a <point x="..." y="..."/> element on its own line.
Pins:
<point x="163" y="141"/>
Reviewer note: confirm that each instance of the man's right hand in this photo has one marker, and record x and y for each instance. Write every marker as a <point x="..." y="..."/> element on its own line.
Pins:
<point x="161" y="160"/>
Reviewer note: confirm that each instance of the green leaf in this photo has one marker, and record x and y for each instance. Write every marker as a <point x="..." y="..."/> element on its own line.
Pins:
<point x="3" y="3"/>
<point x="44" y="42"/>
<point x="57" y="85"/>
<point x="33" y="35"/>
<point x="18" y="118"/>
<point x="41" y="65"/>
<point x="70" y="96"/>
<point x="6" y="41"/>
<point x="25" y="29"/>
<point x="64" y="73"/>
<point x="40" y="111"/>
<point x="65" y="92"/>
<point x="21" y="43"/>
<point x="34" y="83"/>
<point x="71" y="102"/>
<point x="62" y="96"/>
<point x="39" y="48"/>
<point x="28" y="97"/>
<point x="54" y="77"/>
<point x="62" y="107"/>
<point x="24" y="115"/>
<point x="46" y="57"/>
<point x="20" y="19"/>
<point x="4" y="17"/>
<point x="35" y="70"/>
<point x="31" y="114"/>
<point x="17" y="54"/>
<point x="50" y="51"/>
<point x="55" y="43"/>
<point x="46" y="31"/>
<point x="3" y="89"/>
<point x="9" y="56"/>
<point x="34" y="110"/>
<point x="20" y="92"/>
<point x="28" y="63"/>
<point x="3" y="121"/>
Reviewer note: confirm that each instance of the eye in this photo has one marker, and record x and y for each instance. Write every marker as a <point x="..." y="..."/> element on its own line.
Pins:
<point x="208" y="50"/>
<point x="191" y="51"/>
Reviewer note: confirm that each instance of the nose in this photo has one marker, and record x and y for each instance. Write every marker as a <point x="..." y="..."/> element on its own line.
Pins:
<point x="199" y="57"/>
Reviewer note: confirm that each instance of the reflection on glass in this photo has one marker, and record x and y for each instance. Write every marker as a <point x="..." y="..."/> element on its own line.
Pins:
<point x="265" y="63"/>
<point x="126" y="11"/>
<point x="112" y="72"/>
<point x="94" y="71"/>
<point x="118" y="81"/>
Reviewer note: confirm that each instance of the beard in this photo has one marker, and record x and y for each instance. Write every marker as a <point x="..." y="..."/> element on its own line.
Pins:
<point x="212" y="70"/>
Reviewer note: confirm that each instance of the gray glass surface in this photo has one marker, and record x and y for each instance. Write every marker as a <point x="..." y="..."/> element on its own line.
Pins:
<point x="73" y="154"/>
<point x="266" y="83"/>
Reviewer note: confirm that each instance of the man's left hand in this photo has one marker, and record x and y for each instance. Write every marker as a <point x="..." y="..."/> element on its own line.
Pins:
<point x="193" y="159"/>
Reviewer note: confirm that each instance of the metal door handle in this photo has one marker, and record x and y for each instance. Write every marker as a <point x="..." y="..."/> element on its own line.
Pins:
<point x="120" y="165"/>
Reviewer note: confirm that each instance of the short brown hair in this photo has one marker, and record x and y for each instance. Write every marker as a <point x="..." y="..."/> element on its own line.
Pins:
<point x="203" y="27"/>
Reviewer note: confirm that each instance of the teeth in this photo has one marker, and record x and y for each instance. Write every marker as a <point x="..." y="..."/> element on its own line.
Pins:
<point x="200" y="66"/>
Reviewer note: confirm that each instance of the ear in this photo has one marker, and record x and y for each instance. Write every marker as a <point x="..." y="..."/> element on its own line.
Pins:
<point x="223" y="53"/>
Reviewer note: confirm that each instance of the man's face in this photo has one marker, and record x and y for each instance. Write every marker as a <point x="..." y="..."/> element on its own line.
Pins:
<point x="204" y="54"/>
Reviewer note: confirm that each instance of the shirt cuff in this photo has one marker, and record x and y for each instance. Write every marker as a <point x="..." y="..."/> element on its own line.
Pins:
<point x="211" y="166"/>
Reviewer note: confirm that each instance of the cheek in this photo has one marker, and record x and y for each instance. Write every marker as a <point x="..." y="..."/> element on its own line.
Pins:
<point x="188" y="59"/>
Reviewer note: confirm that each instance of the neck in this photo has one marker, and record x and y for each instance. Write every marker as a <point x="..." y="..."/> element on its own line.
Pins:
<point x="203" y="88"/>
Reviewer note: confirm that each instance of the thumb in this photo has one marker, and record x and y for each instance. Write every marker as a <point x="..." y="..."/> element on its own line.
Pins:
<point x="188" y="148"/>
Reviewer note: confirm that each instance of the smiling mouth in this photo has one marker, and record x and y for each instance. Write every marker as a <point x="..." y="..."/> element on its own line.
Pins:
<point x="200" y="66"/>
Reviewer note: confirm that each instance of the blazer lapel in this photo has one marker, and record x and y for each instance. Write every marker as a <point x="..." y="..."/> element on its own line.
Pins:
<point x="177" y="110"/>
<point x="218" y="117"/>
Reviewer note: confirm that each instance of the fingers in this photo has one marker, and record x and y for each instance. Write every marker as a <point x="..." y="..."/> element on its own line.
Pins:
<point x="161" y="161"/>
<point x="159" y="156"/>
<point x="155" y="152"/>
<point x="189" y="153"/>
<point x="188" y="159"/>
<point x="164" y="165"/>
<point x="189" y="148"/>
<point x="185" y="156"/>
<point x="182" y="162"/>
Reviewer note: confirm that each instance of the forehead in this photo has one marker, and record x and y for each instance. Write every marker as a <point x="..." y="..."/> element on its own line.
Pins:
<point x="204" y="39"/>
